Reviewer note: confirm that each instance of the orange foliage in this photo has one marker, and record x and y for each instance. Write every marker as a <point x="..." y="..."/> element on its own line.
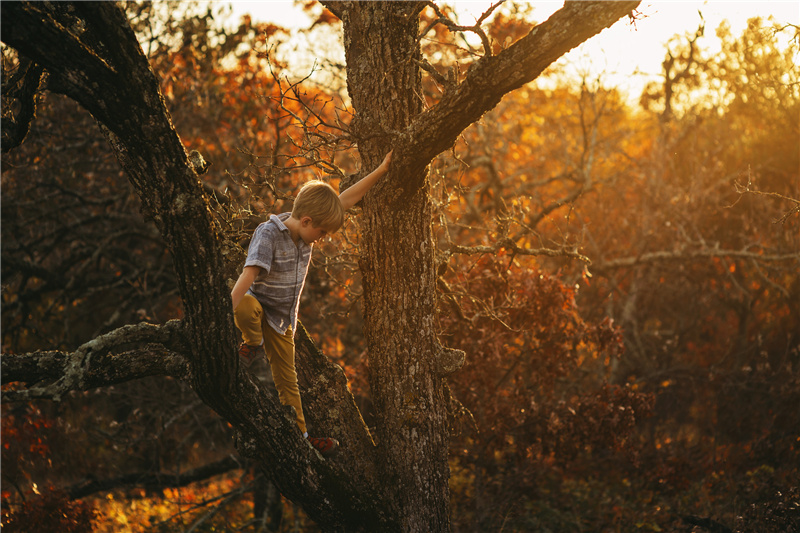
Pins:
<point x="53" y="511"/>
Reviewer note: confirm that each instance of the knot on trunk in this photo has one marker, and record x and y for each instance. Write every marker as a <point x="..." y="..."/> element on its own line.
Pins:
<point x="449" y="360"/>
<point x="197" y="162"/>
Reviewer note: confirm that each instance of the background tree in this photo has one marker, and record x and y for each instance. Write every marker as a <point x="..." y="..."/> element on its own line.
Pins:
<point x="700" y="279"/>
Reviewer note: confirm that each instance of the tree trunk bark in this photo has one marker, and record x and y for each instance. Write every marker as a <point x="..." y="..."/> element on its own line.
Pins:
<point x="397" y="264"/>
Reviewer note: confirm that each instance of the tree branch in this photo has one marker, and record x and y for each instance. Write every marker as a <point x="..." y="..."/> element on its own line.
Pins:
<point x="23" y="87"/>
<point x="487" y="80"/>
<point x="57" y="24"/>
<point x="452" y="26"/>
<point x="749" y="188"/>
<point x="509" y="244"/>
<point x="688" y="255"/>
<point x="130" y="352"/>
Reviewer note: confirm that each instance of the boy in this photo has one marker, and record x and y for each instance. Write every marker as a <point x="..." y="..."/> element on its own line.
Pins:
<point x="266" y="296"/>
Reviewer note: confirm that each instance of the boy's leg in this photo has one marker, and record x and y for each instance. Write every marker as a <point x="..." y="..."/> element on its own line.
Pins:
<point x="280" y="351"/>
<point x="247" y="316"/>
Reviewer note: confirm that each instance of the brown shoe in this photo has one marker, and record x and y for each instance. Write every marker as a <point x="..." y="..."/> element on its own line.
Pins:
<point x="327" y="447"/>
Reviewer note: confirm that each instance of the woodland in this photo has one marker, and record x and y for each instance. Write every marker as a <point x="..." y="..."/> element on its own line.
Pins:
<point x="563" y="310"/>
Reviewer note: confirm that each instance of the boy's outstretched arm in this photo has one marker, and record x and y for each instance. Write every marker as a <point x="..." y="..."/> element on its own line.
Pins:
<point x="246" y="278"/>
<point x="356" y="192"/>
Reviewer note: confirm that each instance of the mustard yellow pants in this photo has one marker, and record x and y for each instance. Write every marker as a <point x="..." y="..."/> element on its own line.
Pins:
<point x="251" y="321"/>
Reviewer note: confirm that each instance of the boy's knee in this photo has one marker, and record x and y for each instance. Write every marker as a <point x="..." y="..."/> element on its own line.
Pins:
<point x="248" y="309"/>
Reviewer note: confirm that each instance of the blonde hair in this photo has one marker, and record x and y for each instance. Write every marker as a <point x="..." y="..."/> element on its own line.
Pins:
<point x="319" y="201"/>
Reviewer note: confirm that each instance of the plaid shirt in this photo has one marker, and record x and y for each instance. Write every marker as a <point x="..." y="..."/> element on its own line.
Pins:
<point x="284" y="266"/>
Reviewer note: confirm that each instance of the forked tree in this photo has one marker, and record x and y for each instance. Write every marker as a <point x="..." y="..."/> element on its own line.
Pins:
<point x="397" y="478"/>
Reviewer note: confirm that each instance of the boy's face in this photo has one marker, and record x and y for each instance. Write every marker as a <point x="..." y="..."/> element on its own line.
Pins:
<point x="311" y="233"/>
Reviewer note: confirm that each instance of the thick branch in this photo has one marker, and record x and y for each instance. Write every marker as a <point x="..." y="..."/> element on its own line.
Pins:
<point x="488" y="80"/>
<point x="71" y="59"/>
<point x="105" y="70"/>
<point x="130" y="352"/>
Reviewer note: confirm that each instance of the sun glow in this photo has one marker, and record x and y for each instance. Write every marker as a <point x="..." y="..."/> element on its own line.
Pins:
<point x="627" y="55"/>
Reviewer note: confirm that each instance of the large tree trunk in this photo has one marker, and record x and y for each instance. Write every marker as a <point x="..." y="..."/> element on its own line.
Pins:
<point x="397" y="263"/>
<point x="399" y="301"/>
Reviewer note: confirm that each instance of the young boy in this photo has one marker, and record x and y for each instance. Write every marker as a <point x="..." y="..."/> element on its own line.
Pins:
<point x="266" y="296"/>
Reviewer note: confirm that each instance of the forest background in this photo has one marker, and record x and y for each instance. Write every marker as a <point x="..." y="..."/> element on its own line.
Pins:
<point x="642" y="374"/>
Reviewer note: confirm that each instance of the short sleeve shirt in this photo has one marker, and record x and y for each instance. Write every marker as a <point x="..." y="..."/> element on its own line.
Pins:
<point x="284" y="266"/>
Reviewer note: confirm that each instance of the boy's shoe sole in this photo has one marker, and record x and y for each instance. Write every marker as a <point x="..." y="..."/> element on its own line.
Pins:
<point x="324" y="445"/>
<point x="248" y="353"/>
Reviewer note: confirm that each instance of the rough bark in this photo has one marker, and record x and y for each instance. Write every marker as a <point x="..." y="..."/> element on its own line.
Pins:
<point x="397" y="263"/>
<point x="21" y="87"/>
<point x="91" y="54"/>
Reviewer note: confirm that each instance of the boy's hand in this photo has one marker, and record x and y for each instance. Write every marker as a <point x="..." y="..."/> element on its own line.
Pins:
<point x="246" y="278"/>
<point x="356" y="192"/>
<point x="386" y="160"/>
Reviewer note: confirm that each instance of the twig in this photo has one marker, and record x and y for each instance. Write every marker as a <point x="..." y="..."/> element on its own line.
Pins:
<point x="452" y="26"/>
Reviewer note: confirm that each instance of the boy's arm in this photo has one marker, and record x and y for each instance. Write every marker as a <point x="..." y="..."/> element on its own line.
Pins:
<point x="356" y="192"/>
<point x="246" y="278"/>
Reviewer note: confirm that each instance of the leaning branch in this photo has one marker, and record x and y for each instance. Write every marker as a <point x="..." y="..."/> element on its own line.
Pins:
<point x="688" y="255"/>
<point x="130" y="352"/>
<point x="491" y="77"/>
<point x="123" y="95"/>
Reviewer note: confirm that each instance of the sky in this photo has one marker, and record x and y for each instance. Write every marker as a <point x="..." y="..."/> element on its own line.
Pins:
<point x="627" y="55"/>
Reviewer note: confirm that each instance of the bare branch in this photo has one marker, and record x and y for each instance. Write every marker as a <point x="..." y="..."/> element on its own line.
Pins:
<point x="315" y="127"/>
<point x="689" y="255"/>
<point x="452" y="26"/>
<point x="748" y="188"/>
<point x="430" y="69"/>
<point x="130" y="352"/>
<point x="509" y="244"/>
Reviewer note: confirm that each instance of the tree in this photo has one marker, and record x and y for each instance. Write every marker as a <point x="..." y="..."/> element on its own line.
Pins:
<point x="79" y="260"/>
<point x="399" y="481"/>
